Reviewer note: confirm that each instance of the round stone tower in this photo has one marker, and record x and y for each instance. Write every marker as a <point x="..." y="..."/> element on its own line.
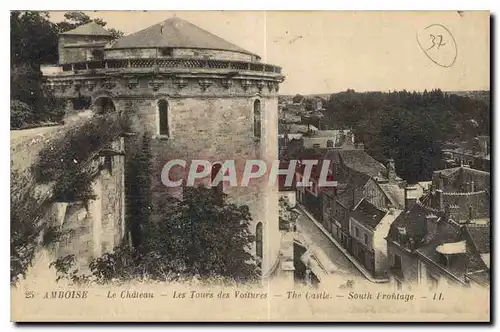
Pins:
<point x="194" y="96"/>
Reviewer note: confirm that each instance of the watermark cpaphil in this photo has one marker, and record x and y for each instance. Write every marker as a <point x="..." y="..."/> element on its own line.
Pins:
<point x="318" y="172"/>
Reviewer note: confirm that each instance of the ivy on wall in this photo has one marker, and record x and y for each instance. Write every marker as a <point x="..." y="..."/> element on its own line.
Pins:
<point x="64" y="163"/>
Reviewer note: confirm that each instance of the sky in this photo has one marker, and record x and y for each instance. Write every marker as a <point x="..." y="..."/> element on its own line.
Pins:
<point x="325" y="51"/>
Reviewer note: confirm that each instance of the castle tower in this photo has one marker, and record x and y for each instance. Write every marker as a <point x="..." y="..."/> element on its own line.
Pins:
<point x="193" y="96"/>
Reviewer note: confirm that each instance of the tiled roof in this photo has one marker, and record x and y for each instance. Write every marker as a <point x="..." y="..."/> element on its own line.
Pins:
<point x="89" y="29"/>
<point x="480" y="236"/>
<point x="395" y="193"/>
<point x="354" y="183"/>
<point x="299" y="128"/>
<point x="176" y="32"/>
<point x="413" y="222"/>
<point x="480" y="277"/>
<point x="446" y="233"/>
<point x="362" y="162"/>
<point x="367" y="214"/>
<point x="479" y="201"/>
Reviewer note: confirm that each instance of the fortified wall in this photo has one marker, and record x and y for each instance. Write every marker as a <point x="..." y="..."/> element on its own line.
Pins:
<point x="84" y="226"/>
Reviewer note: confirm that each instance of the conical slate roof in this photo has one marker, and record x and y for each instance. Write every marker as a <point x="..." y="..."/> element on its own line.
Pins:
<point x="177" y="33"/>
<point x="89" y="29"/>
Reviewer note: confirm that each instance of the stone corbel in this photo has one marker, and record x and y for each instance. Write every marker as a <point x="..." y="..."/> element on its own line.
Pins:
<point x="277" y="86"/>
<point x="65" y="85"/>
<point x="132" y="83"/>
<point x="227" y="83"/>
<point x="260" y="85"/>
<point x="156" y="84"/>
<point x="109" y="84"/>
<point x="204" y="83"/>
<point x="180" y="83"/>
<point x="90" y="85"/>
<point x="77" y="86"/>
<point x="270" y="86"/>
<point x="245" y="84"/>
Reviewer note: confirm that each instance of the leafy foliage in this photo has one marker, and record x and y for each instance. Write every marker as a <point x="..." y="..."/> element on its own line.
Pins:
<point x="24" y="231"/>
<point x="199" y="236"/>
<point x="34" y="42"/>
<point x="76" y="19"/>
<point x="20" y="114"/>
<point x="408" y="126"/>
<point x="71" y="153"/>
<point x="297" y="98"/>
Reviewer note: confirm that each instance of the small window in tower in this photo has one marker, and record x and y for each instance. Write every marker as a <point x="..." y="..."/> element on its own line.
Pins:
<point x="216" y="177"/>
<point x="166" y="51"/>
<point x="256" y="119"/>
<point x="163" y="118"/>
<point x="108" y="164"/>
<point x="259" y="243"/>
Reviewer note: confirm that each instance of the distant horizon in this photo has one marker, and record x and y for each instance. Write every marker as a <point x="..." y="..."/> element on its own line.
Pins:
<point x="368" y="91"/>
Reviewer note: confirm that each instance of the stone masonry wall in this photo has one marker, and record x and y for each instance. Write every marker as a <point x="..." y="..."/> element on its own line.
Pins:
<point x="94" y="227"/>
<point x="112" y="195"/>
<point x="215" y="128"/>
<point x="152" y="53"/>
<point x="78" y="54"/>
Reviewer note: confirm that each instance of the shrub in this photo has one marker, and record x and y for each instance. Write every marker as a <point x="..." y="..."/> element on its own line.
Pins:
<point x="21" y="114"/>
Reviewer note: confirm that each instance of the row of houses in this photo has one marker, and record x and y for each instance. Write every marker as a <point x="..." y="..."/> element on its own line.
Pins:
<point x="474" y="153"/>
<point x="370" y="205"/>
<point x="444" y="239"/>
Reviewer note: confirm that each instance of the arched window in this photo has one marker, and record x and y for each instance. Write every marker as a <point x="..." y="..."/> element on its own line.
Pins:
<point x="163" y="128"/>
<point x="256" y="119"/>
<point x="216" y="175"/>
<point x="258" y="243"/>
<point x="104" y="105"/>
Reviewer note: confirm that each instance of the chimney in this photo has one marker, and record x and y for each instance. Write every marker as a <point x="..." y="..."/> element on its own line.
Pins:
<point x="431" y="224"/>
<point x="410" y="200"/>
<point x="350" y="136"/>
<point x="439" y="199"/>
<point x="391" y="170"/>
<point x="317" y="148"/>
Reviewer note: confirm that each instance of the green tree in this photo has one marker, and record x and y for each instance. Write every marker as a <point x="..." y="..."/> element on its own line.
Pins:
<point x="76" y="19"/>
<point x="201" y="235"/>
<point x="297" y="98"/>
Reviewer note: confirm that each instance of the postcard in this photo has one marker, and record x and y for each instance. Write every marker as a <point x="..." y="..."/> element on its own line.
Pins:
<point x="250" y="166"/>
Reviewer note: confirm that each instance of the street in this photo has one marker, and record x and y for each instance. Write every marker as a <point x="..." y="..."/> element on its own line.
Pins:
<point x="316" y="237"/>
